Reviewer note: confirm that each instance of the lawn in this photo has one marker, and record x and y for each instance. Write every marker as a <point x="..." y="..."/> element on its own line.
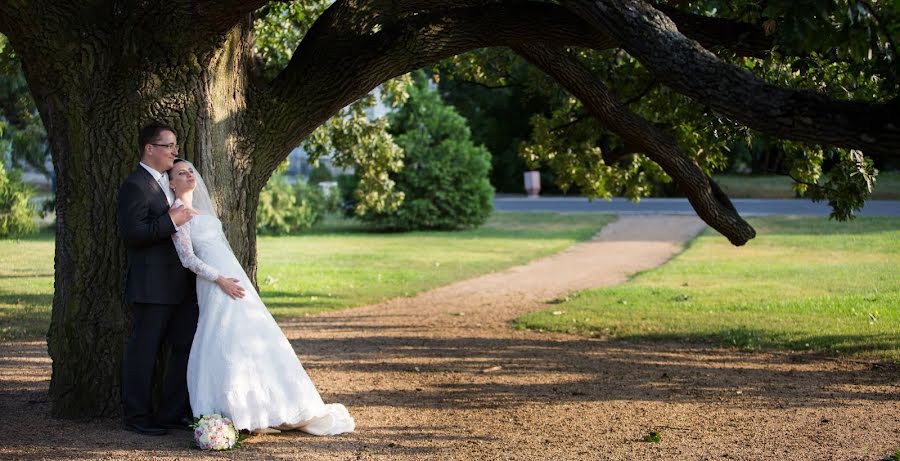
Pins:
<point x="887" y="186"/>
<point x="343" y="267"/>
<point x="338" y="266"/>
<point x="802" y="284"/>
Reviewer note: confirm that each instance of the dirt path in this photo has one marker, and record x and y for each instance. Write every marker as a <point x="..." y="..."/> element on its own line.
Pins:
<point x="421" y="377"/>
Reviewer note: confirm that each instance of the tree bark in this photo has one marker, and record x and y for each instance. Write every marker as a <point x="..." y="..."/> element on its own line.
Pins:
<point x="92" y="116"/>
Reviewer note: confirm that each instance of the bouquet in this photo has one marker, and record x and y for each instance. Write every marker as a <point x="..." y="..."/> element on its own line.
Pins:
<point x="216" y="432"/>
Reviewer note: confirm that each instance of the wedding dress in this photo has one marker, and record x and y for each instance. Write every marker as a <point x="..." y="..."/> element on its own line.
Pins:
<point x="241" y="365"/>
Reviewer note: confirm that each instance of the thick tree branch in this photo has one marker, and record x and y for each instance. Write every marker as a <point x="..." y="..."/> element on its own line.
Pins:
<point x="744" y="39"/>
<point x="330" y="70"/>
<point x="221" y="15"/>
<point x="684" y="65"/>
<point x="711" y="204"/>
<point x="340" y="60"/>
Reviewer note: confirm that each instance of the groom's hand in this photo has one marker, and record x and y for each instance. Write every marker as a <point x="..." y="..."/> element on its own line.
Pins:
<point x="181" y="215"/>
<point x="230" y="287"/>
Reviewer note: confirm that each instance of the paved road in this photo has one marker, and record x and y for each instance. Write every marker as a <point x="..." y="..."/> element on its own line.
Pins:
<point x="746" y="207"/>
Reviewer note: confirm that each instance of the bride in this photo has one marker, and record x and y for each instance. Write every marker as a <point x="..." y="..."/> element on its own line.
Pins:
<point x="241" y="365"/>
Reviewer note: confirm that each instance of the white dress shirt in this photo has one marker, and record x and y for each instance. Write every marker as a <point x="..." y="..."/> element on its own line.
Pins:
<point x="163" y="181"/>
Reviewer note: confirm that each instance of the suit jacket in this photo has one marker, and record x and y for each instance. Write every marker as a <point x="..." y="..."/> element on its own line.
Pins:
<point x="155" y="274"/>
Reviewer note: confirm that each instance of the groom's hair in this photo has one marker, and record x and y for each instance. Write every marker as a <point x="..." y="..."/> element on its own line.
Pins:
<point x="150" y="132"/>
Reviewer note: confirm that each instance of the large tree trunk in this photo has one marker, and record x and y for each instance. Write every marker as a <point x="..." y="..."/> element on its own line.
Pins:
<point x="92" y="117"/>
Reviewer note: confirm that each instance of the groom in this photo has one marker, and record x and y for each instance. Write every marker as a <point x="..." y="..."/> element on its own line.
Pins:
<point x="159" y="289"/>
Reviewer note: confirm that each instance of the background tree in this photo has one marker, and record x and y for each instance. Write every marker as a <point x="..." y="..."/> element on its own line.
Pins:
<point x="99" y="70"/>
<point x="23" y="136"/>
<point x="445" y="181"/>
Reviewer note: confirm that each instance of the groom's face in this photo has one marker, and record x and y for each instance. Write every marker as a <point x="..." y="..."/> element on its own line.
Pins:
<point x="164" y="150"/>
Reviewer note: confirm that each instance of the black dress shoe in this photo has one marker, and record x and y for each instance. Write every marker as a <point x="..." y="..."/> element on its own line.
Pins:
<point x="145" y="429"/>
<point x="183" y="424"/>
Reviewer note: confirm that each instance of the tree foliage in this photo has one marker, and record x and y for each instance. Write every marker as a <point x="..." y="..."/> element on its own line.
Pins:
<point x="355" y="137"/>
<point x="445" y="182"/>
<point x="22" y="130"/>
<point x="286" y="208"/>
<point x="843" y="49"/>
<point x="17" y="214"/>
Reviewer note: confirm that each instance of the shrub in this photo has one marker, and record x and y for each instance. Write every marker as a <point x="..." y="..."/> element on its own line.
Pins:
<point x="17" y="214"/>
<point x="445" y="177"/>
<point x="285" y="208"/>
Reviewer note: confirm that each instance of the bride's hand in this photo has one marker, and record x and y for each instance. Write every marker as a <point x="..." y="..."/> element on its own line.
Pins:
<point x="230" y="287"/>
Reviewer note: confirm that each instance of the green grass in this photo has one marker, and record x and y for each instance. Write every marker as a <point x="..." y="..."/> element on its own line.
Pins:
<point x="337" y="266"/>
<point x="26" y="286"/>
<point x="345" y="267"/>
<point x="802" y="284"/>
<point x="887" y="186"/>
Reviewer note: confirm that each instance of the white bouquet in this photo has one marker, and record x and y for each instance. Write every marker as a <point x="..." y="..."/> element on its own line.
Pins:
<point x="216" y="432"/>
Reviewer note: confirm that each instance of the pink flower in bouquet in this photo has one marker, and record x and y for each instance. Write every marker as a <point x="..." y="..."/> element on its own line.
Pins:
<point x="215" y="432"/>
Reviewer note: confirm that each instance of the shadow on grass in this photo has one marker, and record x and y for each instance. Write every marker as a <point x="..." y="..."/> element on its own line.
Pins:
<point x="305" y="300"/>
<point x="42" y="299"/>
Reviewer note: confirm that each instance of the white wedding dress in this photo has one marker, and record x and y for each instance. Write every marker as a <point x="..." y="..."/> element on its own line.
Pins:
<point x="241" y="365"/>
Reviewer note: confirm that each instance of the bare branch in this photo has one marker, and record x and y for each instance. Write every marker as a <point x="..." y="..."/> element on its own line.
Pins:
<point x="684" y="65"/>
<point x="710" y="203"/>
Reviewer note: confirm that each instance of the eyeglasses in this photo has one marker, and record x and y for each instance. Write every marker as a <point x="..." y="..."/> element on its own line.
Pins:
<point x="171" y="146"/>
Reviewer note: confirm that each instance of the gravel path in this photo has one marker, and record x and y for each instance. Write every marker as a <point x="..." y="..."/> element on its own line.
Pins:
<point x="442" y="376"/>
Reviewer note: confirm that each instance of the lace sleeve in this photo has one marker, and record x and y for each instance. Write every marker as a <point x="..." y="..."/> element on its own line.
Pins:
<point x="185" y="250"/>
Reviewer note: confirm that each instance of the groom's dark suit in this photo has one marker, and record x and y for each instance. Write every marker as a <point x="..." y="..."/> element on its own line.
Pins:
<point x="163" y="298"/>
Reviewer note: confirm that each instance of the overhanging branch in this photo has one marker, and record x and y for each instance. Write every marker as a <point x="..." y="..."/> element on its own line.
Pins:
<point x="741" y="38"/>
<point x="684" y="65"/>
<point x="330" y="70"/>
<point x="338" y="62"/>
<point x="710" y="203"/>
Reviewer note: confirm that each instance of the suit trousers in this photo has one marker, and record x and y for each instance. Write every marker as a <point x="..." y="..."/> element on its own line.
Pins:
<point x="151" y="325"/>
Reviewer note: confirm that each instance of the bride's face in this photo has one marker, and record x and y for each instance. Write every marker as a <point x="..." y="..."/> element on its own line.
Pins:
<point x="182" y="178"/>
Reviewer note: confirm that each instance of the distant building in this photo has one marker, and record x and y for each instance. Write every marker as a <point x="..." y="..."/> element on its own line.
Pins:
<point x="298" y="159"/>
